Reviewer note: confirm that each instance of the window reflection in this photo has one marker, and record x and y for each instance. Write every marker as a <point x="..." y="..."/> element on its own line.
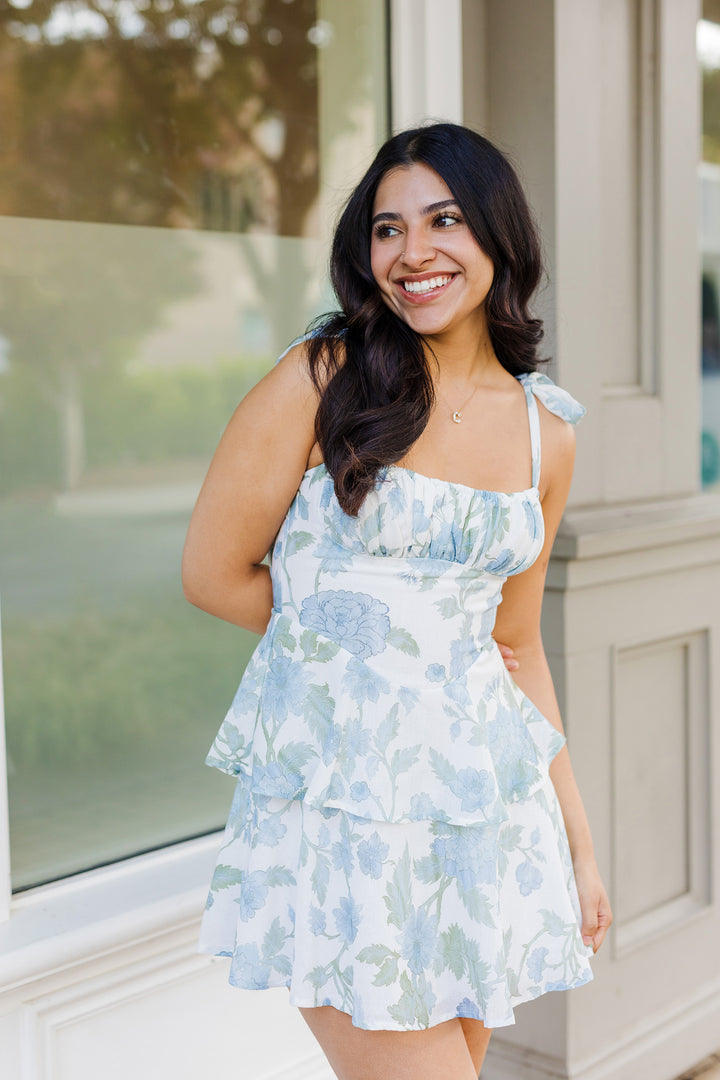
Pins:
<point x="169" y="174"/>
<point x="170" y="113"/>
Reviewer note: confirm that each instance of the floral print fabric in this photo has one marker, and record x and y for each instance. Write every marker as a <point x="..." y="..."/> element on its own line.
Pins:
<point x="395" y="846"/>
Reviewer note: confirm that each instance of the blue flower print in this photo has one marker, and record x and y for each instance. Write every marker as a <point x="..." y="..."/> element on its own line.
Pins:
<point x="536" y="964"/>
<point x="464" y="652"/>
<point x="362" y="683"/>
<point x="355" y="741"/>
<point x="513" y="752"/>
<point x="253" y="894"/>
<point x="435" y="673"/>
<point x="285" y="687"/>
<point x="342" y="855"/>
<point x="469" y="1009"/>
<point x="248" y="970"/>
<point x="371" y="853"/>
<point x="334" y="556"/>
<point x="475" y="788"/>
<point x="502" y="562"/>
<point x="422" y="807"/>
<point x="277" y="779"/>
<point x="528" y="877"/>
<point x="417" y="940"/>
<point x="359" y="791"/>
<point x="318" y="922"/>
<point x="469" y="855"/>
<point x="347" y="918"/>
<point x="356" y="621"/>
<point x="270" y="832"/>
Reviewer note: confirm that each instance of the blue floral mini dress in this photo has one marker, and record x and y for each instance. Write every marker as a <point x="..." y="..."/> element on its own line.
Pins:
<point x="395" y="847"/>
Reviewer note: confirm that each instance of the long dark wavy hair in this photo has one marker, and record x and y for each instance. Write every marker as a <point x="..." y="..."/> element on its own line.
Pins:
<point x="369" y="367"/>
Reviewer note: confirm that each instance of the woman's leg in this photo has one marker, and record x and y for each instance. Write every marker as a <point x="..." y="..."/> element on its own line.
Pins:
<point x="435" y="1053"/>
<point x="477" y="1037"/>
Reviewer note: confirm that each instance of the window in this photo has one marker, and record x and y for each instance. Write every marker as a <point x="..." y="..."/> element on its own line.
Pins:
<point x="169" y="175"/>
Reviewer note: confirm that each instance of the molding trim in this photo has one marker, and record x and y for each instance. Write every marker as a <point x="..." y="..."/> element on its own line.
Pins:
<point x="425" y="61"/>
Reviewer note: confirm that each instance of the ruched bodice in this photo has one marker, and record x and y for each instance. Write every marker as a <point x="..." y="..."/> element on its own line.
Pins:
<point x="377" y="687"/>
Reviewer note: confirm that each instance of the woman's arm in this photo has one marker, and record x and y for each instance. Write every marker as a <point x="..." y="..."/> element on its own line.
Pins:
<point x="518" y="626"/>
<point x="252" y="480"/>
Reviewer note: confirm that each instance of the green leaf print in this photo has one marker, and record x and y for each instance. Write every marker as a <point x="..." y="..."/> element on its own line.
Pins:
<point x="235" y="741"/>
<point x="274" y="939"/>
<point x="403" y="640"/>
<point x="428" y="868"/>
<point x="318" y="712"/>
<point x="308" y="641"/>
<point x="442" y="768"/>
<point x="282" y="635"/>
<point x="452" y="950"/>
<point x="279" y="875"/>
<point x="397" y="894"/>
<point x="387" y="729"/>
<point x="448" y="607"/>
<point x="282" y="964"/>
<point x="375" y="954"/>
<point x="478" y="970"/>
<point x="552" y="923"/>
<point x="411" y="1011"/>
<point x="477" y="905"/>
<point x="314" y="649"/>
<point x="318" y="977"/>
<point x="296" y="541"/>
<point x="320" y="878"/>
<point x="295" y="754"/>
<point x="325" y="651"/>
<point x="224" y="877"/>
<point x="402" y="760"/>
<point x="388" y="973"/>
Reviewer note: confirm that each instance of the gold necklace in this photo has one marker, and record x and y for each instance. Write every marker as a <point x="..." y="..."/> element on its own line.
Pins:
<point x="456" y="414"/>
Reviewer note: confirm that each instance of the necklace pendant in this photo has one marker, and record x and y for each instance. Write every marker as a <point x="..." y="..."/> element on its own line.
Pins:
<point x="457" y="417"/>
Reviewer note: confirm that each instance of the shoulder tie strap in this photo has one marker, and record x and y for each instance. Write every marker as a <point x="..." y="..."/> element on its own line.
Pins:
<point x="556" y="400"/>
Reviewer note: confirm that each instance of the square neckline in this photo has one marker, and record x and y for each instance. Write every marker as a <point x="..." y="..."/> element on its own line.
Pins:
<point x="436" y="480"/>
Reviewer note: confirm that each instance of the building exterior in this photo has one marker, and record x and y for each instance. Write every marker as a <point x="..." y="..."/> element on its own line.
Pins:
<point x="154" y="280"/>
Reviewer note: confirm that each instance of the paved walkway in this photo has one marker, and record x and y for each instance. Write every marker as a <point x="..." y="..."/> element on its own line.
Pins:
<point x="709" y="1069"/>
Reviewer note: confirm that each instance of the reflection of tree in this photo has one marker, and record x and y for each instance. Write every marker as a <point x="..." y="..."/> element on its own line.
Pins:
<point x="164" y="113"/>
<point x="78" y="307"/>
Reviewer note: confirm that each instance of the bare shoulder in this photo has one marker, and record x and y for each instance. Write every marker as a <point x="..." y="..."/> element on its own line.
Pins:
<point x="557" y="438"/>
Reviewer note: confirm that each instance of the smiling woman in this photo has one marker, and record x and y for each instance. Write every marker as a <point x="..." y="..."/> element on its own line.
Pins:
<point x="407" y="850"/>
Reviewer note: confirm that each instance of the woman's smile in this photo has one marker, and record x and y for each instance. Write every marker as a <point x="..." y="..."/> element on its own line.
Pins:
<point x="422" y="288"/>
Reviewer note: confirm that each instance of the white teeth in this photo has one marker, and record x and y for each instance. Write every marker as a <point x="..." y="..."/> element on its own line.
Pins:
<point x="427" y="285"/>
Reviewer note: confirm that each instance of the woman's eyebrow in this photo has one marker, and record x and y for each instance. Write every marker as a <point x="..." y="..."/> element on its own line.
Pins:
<point x="388" y="215"/>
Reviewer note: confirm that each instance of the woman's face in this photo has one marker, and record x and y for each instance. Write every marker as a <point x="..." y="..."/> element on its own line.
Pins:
<point x="429" y="267"/>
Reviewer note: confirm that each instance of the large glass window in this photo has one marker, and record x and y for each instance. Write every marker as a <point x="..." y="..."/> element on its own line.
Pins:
<point x="708" y="46"/>
<point x="169" y="174"/>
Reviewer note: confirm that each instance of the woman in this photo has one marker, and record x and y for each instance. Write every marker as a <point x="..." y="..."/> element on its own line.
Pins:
<point x="397" y="852"/>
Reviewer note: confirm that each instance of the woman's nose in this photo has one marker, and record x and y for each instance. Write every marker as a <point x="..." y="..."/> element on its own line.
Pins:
<point x="418" y="249"/>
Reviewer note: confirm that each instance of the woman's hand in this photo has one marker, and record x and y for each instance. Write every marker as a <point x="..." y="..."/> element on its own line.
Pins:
<point x="508" y="656"/>
<point x="594" y="904"/>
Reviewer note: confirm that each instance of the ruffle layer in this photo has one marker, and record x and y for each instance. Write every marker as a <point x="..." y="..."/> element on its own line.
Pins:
<point x="341" y="732"/>
<point x="401" y="929"/>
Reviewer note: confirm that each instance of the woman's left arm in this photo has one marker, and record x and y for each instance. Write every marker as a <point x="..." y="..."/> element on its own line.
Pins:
<point x="518" y="626"/>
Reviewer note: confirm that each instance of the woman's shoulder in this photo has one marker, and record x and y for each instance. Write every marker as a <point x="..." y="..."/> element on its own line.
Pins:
<point x="310" y="362"/>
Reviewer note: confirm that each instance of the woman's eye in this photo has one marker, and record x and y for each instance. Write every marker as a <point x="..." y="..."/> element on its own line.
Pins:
<point x="384" y="231"/>
<point x="448" y="219"/>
